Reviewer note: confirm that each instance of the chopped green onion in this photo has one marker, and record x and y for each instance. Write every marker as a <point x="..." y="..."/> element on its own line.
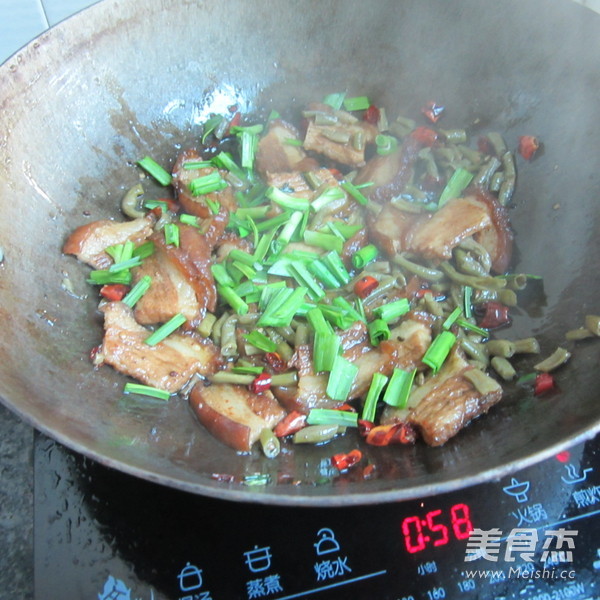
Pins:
<point x="207" y="184"/>
<point x="468" y="301"/>
<point x="264" y="245"/>
<point x="280" y="314"/>
<point x="150" y="204"/>
<point x="153" y="168"/>
<point x="323" y="274"/>
<point x="273" y="115"/>
<point x="438" y="350"/>
<point x="330" y="416"/>
<point x="341" y="302"/>
<point x="326" y="241"/>
<point x="144" y="250"/>
<point x="221" y="275"/>
<point x="290" y="227"/>
<point x="115" y="251"/>
<point x="269" y="291"/>
<point x="214" y="205"/>
<point x="165" y="330"/>
<point x="317" y="320"/>
<point x="224" y="160"/>
<point x="238" y="305"/>
<point x="106" y="277"/>
<point x="137" y="291"/>
<point x="273" y="223"/>
<point x="460" y="179"/>
<point x="240" y="255"/>
<point x="386" y="144"/>
<point x="287" y="201"/>
<point x="210" y="126"/>
<point x="392" y="310"/>
<point x="452" y="318"/>
<point x="301" y="274"/>
<point x="245" y="289"/>
<point x="249" y="143"/>
<point x="364" y="256"/>
<point x="356" y="103"/>
<point x="292" y="141"/>
<point x="341" y="378"/>
<point x="337" y="315"/>
<point x="398" y="390"/>
<point x="527" y="378"/>
<point x="335" y="100"/>
<point x="247" y="369"/>
<point x="197" y="164"/>
<point x="244" y="269"/>
<point x="327" y="196"/>
<point x="146" y="390"/>
<point x="261" y="341"/>
<point x="377" y="384"/>
<point x="471" y="327"/>
<point x="171" y="235"/>
<point x="125" y="265"/>
<point x="189" y="220"/>
<point x="378" y="331"/>
<point x="355" y="192"/>
<point x="335" y="264"/>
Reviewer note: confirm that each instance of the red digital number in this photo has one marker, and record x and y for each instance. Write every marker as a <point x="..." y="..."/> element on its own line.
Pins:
<point x="413" y="534"/>
<point x="461" y="521"/>
<point x="437" y="527"/>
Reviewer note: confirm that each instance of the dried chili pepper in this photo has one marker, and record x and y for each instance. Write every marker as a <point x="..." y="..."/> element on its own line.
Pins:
<point x="365" y="285"/>
<point x="292" y="422"/>
<point x="496" y="315"/>
<point x="261" y="383"/>
<point x="114" y="291"/>
<point x="433" y="111"/>
<point x="528" y="146"/>
<point x="342" y="461"/>
<point x="371" y="115"/>
<point x="398" y="433"/>
<point x="425" y="136"/>
<point x="275" y="361"/>
<point x="544" y="382"/>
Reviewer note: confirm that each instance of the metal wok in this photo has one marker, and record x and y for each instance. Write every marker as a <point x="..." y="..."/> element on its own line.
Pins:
<point x="85" y="100"/>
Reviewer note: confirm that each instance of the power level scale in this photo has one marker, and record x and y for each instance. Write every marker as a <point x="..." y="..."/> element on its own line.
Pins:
<point x="102" y="534"/>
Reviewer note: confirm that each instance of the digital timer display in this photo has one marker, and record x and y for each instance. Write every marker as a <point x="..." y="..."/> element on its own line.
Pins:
<point x="435" y="528"/>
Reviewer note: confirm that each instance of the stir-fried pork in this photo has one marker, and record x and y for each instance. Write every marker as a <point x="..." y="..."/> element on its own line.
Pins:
<point x="88" y="242"/>
<point x="233" y="414"/>
<point x="168" y="366"/>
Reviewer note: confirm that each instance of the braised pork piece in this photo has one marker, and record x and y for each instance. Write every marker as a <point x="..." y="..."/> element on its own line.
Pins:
<point x="327" y="275"/>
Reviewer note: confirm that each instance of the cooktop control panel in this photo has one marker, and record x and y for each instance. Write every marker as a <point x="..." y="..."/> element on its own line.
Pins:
<point x="100" y="534"/>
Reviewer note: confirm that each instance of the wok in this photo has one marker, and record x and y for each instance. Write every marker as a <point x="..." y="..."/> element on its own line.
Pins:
<point x="123" y="79"/>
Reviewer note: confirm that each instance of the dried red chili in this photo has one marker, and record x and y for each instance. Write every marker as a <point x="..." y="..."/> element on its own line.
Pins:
<point x="365" y="285"/>
<point x="384" y="435"/>
<point x="292" y="422"/>
<point x="433" y="111"/>
<point x="275" y="362"/>
<point x="371" y="115"/>
<point x="425" y="136"/>
<point x="364" y="427"/>
<point x="485" y="146"/>
<point x="114" y="291"/>
<point x="261" y="383"/>
<point x="336" y="173"/>
<point x="496" y="315"/>
<point x="172" y="205"/>
<point x="342" y="461"/>
<point x="528" y="146"/>
<point x="544" y="382"/>
<point x="235" y="121"/>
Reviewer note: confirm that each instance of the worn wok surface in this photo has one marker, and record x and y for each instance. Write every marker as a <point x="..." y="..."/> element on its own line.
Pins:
<point x="123" y="79"/>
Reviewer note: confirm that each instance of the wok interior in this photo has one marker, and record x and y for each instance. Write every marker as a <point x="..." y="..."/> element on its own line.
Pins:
<point x="87" y="99"/>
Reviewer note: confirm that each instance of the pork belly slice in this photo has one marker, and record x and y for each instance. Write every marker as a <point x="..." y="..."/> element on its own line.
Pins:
<point x="295" y="183"/>
<point x="193" y="259"/>
<point x="457" y="220"/>
<point x="197" y="205"/>
<point x="168" y="365"/>
<point x="275" y="155"/>
<point x="448" y="402"/>
<point x="169" y="294"/>
<point x="233" y="414"/>
<point x="392" y="229"/>
<point x="309" y="393"/>
<point x="317" y="140"/>
<point x="89" y="241"/>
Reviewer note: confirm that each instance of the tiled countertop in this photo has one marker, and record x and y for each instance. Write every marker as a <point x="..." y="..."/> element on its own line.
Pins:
<point x="21" y="21"/>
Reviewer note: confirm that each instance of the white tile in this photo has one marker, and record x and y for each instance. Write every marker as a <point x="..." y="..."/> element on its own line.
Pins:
<point x="57" y="10"/>
<point x="20" y="22"/>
